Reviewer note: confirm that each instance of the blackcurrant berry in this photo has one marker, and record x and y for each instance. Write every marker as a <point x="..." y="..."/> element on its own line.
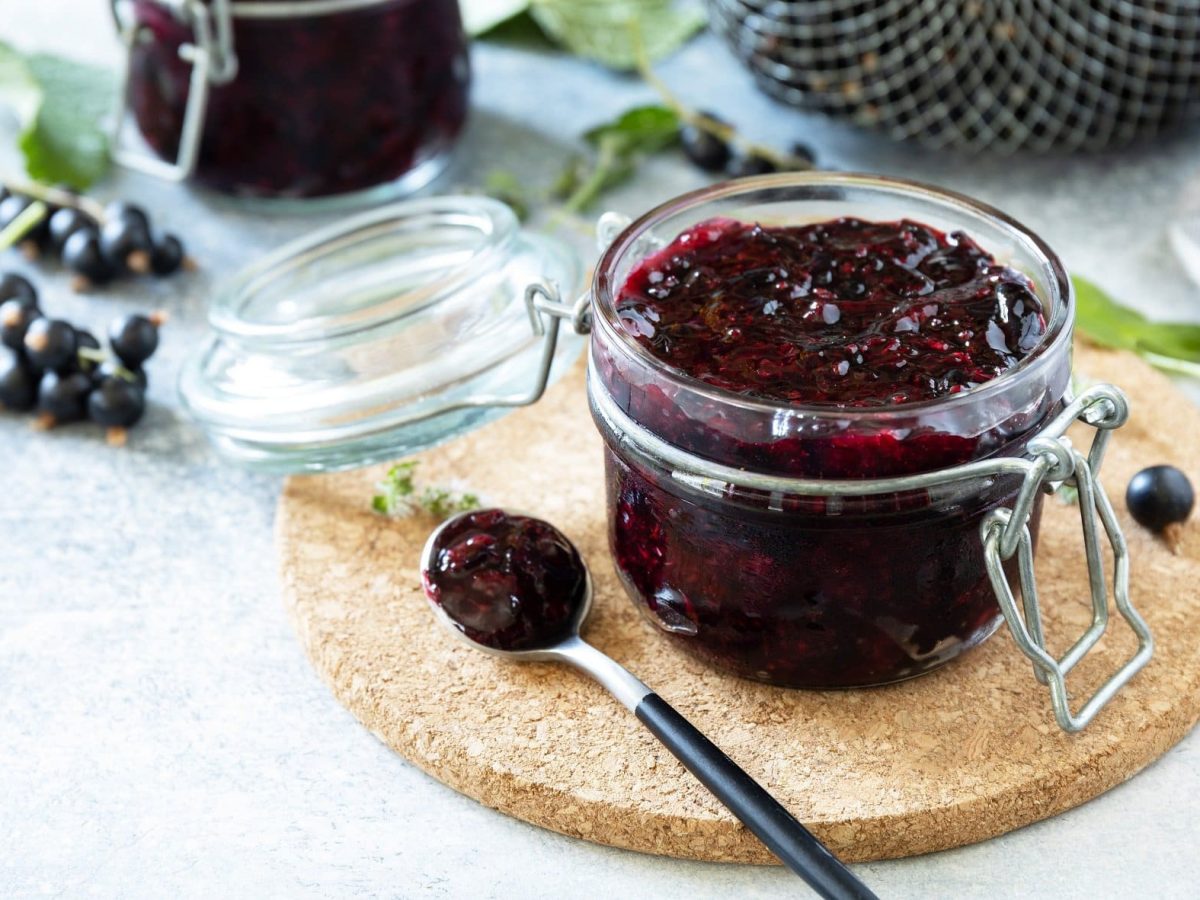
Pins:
<point x="168" y="255"/>
<point x="17" y="287"/>
<point x="119" y="209"/>
<point x="706" y="150"/>
<point x="803" y="153"/>
<point x="134" y="339"/>
<point x="750" y="164"/>
<point x="1160" y="496"/>
<point x="15" y="318"/>
<point x="81" y="254"/>
<point x="64" y="397"/>
<point x="11" y="207"/>
<point x="116" y="403"/>
<point x="18" y="382"/>
<point x="86" y="363"/>
<point x="64" y="223"/>
<point x="114" y="369"/>
<point x="50" y="343"/>
<point x="126" y="245"/>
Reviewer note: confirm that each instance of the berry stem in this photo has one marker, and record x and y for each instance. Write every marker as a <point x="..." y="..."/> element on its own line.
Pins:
<point x="24" y="223"/>
<point x="57" y="197"/>
<point x="704" y="123"/>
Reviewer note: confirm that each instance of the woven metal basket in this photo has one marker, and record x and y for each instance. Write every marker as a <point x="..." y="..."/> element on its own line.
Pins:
<point x="999" y="75"/>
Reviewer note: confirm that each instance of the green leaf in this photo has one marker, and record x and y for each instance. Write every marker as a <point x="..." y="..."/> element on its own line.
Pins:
<point x="60" y="107"/>
<point x="68" y="143"/>
<point x="481" y="16"/>
<point x="643" y="129"/>
<point x="609" y="31"/>
<point x="1174" y="346"/>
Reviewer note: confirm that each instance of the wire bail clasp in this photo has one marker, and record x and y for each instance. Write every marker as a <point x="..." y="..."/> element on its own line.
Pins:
<point x="1052" y="462"/>
<point x="213" y="61"/>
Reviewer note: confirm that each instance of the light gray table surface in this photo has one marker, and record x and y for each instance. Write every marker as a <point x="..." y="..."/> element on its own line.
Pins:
<point x="161" y="734"/>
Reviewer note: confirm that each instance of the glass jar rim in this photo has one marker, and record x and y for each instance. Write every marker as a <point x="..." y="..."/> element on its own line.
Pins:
<point x="1061" y="300"/>
<point x="494" y="223"/>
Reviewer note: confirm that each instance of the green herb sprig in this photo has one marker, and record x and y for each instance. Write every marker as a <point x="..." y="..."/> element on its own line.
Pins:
<point x="398" y="495"/>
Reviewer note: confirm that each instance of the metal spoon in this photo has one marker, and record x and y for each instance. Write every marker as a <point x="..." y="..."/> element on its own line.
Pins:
<point x="794" y="844"/>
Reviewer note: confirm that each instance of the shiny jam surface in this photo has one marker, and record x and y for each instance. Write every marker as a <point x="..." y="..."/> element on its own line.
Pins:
<point x="814" y="591"/>
<point x="842" y="313"/>
<point x="508" y="582"/>
<point x="320" y="105"/>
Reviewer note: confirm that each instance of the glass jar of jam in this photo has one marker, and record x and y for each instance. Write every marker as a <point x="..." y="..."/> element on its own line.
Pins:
<point x="296" y="98"/>
<point x="757" y="340"/>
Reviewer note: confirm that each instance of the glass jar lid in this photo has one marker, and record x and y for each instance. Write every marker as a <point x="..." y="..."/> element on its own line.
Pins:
<point x="381" y="335"/>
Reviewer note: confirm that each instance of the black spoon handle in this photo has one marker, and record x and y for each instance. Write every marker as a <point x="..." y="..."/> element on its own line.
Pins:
<point x="775" y="826"/>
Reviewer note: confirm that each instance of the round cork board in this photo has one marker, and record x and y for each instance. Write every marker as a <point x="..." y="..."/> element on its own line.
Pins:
<point x="962" y="754"/>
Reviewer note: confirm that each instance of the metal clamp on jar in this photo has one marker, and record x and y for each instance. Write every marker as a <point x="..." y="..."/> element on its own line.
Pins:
<point x="292" y="99"/>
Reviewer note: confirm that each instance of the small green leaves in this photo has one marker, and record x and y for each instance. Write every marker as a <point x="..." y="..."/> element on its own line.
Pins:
<point x="620" y="145"/>
<point x="60" y="106"/>
<point x="481" y="16"/>
<point x="397" y="495"/>
<point x="642" y="130"/>
<point x="1173" y="346"/>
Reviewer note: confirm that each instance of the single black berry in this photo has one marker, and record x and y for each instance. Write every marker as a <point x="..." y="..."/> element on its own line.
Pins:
<point x="50" y="343"/>
<point x="87" y="363"/>
<point x="706" y="150"/>
<point x="64" y="223"/>
<point x="1160" y="496"/>
<point x="134" y="339"/>
<point x="167" y="256"/>
<point x="116" y="403"/>
<point x="15" y="318"/>
<point x="18" y="382"/>
<point x="126" y="245"/>
<point x="64" y="397"/>
<point x="11" y="207"/>
<point x="120" y="210"/>
<point x="803" y="153"/>
<point x="17" y="287"/>
<point x="111" y="368"/>
<point x="81" y="254"/>
<point x="750" y="164"/>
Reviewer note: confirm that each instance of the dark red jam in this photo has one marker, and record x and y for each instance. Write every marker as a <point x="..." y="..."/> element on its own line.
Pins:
<point x="508" y="582"/>
<point x="321" y="104"/>
<point x="865" y="317"/>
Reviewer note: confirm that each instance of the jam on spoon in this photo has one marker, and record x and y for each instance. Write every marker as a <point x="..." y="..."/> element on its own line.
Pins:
<point x="516" y="587"/>
<point x="508" y="582"/>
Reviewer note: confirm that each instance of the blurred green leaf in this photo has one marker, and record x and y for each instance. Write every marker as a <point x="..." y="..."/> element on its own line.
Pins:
<point x="1174" y="346"/>
<point x="60" y="106"/>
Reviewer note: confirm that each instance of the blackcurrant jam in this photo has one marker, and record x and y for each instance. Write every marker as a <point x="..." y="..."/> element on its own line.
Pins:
<point x="322" y="103"/>
<point x="507" y="582"/>
<point x="749" y="351"/>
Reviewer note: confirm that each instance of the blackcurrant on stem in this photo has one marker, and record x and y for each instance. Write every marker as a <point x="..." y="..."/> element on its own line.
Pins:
<point x="690" y="116"/>
<point x="57" y="197"/>
<point x="28" y="219"/>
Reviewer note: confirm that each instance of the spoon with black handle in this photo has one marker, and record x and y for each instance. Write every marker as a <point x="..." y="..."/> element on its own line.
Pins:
<point x="515" y="587"/>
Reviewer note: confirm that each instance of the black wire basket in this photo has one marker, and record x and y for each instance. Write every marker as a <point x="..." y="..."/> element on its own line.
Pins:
<point x="997" y="75"/>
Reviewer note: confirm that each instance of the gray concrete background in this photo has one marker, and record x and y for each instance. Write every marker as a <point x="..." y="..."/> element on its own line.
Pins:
<point x="160" y="731"/>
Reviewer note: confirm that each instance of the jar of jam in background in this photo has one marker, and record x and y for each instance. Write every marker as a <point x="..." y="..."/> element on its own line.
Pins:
<point x="806" y="589"/>
<point x="298" y="98"/>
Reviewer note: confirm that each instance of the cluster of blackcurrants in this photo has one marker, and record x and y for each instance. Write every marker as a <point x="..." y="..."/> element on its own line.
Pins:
<point x="50" y="366"/>
<point x="96" y="248"/>
<point x="705" y="147"/>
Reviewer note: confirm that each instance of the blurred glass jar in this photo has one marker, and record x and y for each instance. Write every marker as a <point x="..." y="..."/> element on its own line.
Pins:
<point x="295" y="98"/>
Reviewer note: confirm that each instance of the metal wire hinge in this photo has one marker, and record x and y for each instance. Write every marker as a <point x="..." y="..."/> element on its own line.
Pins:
<point x="1054" y="461"/>
<point x="213" y="61"/>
